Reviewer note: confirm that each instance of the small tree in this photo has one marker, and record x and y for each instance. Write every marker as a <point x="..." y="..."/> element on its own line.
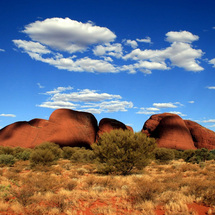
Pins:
<point x="120" y="151"/>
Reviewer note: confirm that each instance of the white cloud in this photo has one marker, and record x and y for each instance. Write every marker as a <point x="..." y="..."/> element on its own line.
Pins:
<point x="114" y="50"/>
<point x="191" y="102"/>
<point x="148" y="111"/>
<point x="212" y="61"/>
<point x="40" y="86"/>
<point x="85" y="100"/>
<point x="31" y="47"/>
<point x="178" y="113"/>
<point x="2" y="50"/>
<point x="211" y="88"/>
<point x="164" y="105"/>
<point x="181" y="36"/>
<point x="7" y="115"/>
<point x="131" y="43"/>
<point x="68" y="35"/>
<point x="209" y="121"/>
<point x="146" y="40"/>
<point x="180" y="54"/>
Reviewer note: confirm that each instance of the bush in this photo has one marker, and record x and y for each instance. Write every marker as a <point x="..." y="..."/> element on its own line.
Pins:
<point x="25" y="155"/>
<point x="42" y="157"/>
<point x="163" y="154"/>
<point x="120" y="151"/>
<point x="54" y="148"/>
<point x="6" y="150"/>
<point x="197" y="156"/>
<point x="76" y="154"/>
<point x="8" y="160"/>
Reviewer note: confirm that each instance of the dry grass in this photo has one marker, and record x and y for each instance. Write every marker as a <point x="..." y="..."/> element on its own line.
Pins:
<point x="68" y="188"/>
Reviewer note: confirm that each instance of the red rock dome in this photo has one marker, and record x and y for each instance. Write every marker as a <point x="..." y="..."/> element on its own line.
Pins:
<point x="64" y="127"/>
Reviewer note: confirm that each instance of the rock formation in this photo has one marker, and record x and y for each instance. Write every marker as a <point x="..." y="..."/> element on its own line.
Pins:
<point x="64" y="127"/>
<point x="171" y="131"/>
<point x="107" y="125"/>
<point x="202" y="137"/>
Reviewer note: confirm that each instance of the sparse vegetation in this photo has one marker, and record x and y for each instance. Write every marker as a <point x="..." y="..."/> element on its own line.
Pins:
<point x="59" y="184"/>
<point x="120" y="151"/>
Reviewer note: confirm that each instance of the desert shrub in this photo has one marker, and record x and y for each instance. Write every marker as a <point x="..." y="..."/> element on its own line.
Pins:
<point x="42" y="157"/>
<point x="164" y="155"/>
<point x="6" y="150"/>
<point x="178" y="154"/>
<point x="82" y="155"/>
<point x="67" y="152"/>
<point x="76" y="154"/>
<point x="54" y="148"/>
<point x="197" y="156"/>
<point x="120" y="151"/>
<point x="6" y="159"/>
<point x="24" y="155"/>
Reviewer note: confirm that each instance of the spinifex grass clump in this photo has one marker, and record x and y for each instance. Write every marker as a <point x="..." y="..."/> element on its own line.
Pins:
<point x="120" y="151"/>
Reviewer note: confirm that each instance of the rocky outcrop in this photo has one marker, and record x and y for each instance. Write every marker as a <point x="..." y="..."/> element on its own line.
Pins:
<point x="64" y="127"/>
<point x="107" y="125"/>
<point x="202" y="137"/>
<point x="171" y="131"/>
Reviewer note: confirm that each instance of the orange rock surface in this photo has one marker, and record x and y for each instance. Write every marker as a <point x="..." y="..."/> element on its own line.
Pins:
<point x="64" y="127"/>
<point x="107" y="125"/>
<point x="202" y="137"/>
<point x="171" y="131"/>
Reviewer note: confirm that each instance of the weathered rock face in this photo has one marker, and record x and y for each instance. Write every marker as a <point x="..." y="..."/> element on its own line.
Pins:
<point x="202" y="137"/>
<point x="107" y="125"/>
<point x="64" y="127"/>
<point x="172" y="131"/>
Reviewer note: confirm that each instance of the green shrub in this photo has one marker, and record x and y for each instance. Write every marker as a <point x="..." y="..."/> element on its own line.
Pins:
<point x="25" y="155"/>
<point x="54" y="148"/>
<point x="6" y="150"/>
<point x="198" y="155"/>
<point x="120" y="151"/>
<point x="164" y="154"/>
<point x="42" y="157"/>
<point x="6" y="159"/>
<point x="67" y="152"/>
<point x="76" y="154"/>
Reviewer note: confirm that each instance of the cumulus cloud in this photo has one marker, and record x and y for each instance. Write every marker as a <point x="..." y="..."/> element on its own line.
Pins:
<point x="7" y="115"/>
<point x="40" y="86"/>
<point x="191" y="102"/>
<point x="114" y="50"/>
<point x="100" y="52"/>
<point x="67" y="35"/>
<point x="31" y="47"/>
<point x="131" y="43"/>
<point x="209" y="121"/>
<point x="211" y="88"/>
<point x="148" y="111"/>
<point x="181" y="36"/>
<point x="85" y="100"/>
<point x="212" y="61"/>
<point x="164" y="105"/>
<point x="2" y="50"/>
<point x="180" y="54"/>
<point x="146" y="40"/>
<point x="178" y="113"/>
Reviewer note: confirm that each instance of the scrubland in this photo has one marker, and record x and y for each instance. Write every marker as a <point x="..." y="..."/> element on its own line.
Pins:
<point x="69" y="187"/>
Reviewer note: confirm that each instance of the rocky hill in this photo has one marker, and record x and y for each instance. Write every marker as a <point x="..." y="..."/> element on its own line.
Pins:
<point x="73" y="128"/>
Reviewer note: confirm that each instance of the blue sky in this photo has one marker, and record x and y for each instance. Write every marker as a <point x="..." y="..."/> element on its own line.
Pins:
<point x="118" y="59"/>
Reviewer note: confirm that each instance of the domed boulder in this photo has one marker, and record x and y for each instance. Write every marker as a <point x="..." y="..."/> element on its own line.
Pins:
<point x="107" y="125"/>
<point x="202" y="137"/>
<point x="64" y="127"/>
<point x="74" y="128"/>
<point x="170" y="131"/>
